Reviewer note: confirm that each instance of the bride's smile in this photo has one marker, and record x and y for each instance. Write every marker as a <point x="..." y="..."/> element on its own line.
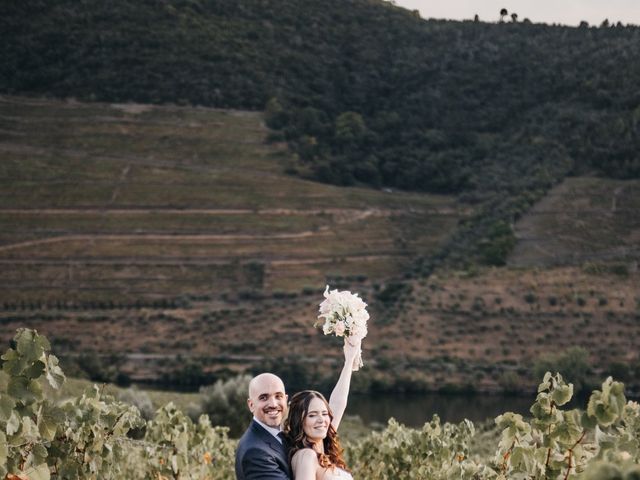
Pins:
<point x="316" y="423"/>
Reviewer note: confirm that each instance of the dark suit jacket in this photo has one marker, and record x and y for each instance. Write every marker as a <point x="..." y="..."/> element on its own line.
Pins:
<point x="261" y="457"/>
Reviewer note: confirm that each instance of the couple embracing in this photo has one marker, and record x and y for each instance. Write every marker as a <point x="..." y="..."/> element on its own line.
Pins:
<point x="297" y="441"/>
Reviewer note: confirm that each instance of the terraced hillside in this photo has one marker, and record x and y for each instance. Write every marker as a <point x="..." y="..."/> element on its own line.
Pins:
<point x="169" y="243"/>
<point x="582" y="220"/>
<point x="174" y="231"/>
<point x="125" y="203"/>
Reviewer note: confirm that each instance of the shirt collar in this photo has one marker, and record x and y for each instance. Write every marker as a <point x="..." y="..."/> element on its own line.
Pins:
<point x="273" y="431"/>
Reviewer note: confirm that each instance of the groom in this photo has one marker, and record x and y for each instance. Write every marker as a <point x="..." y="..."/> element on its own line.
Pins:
<point x="261" y="453"/>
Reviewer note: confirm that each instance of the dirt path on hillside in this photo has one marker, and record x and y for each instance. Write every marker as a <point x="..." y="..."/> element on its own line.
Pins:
<point x="352" y="213"/>
<point x="163" y="261"/>
<point x="155" y="237"/>
<point x="340" y="216"/>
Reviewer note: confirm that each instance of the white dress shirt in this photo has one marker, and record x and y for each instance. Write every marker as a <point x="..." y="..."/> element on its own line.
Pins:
<point x="272" y="430"/>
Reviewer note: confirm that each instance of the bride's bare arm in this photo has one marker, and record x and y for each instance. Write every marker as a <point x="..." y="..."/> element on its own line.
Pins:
<point x="304" y="464"/>
<point x="338" y="399"/>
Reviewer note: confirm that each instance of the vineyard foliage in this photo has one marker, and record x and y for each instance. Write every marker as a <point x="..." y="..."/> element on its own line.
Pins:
<point x="95" y="436"/>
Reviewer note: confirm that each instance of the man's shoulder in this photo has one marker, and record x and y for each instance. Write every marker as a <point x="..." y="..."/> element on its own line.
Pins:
<point x="252" y="438"/>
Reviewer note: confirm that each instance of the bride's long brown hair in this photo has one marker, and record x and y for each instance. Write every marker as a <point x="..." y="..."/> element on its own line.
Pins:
<point x="293" y="429"/>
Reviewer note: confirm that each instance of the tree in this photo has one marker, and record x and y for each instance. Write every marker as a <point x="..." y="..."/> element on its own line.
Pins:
<point x="274" y="114"/>
<point x="350" y="128"/>
<point x="503" y="13"/>
<point x="514" y="17"/>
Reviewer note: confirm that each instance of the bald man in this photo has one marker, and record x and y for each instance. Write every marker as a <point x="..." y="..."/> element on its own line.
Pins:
<point x="261" y="454"/>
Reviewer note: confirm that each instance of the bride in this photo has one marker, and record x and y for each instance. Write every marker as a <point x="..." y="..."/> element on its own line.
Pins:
<point x="312" y="423"/>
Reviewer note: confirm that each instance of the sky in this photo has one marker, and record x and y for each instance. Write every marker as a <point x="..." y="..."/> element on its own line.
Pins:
<point x="566" y="12"/>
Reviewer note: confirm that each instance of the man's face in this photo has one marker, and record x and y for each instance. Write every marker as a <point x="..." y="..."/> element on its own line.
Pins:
<point x="267" y="399"/>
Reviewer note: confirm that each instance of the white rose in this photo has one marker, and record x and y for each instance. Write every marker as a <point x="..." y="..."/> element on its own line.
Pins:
<point x="327" y="328"/>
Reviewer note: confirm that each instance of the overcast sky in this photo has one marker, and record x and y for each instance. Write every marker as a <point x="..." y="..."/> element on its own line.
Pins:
<point x="568" y="12"/>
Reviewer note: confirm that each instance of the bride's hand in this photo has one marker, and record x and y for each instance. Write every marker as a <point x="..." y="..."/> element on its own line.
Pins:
<point x="352" y="347"/>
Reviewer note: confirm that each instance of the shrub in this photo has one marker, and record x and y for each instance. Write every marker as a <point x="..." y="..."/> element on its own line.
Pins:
<point x="140" y="399"/>
<point x="226" y="403"/>
<point x="573" y="365"/>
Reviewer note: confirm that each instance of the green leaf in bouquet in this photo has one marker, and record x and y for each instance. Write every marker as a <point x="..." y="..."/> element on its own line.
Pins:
<point x="55" y="375"/>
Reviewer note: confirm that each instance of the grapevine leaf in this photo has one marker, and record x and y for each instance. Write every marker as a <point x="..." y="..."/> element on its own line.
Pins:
<point x="13" y="363"/>
<point x="24" y="389"/>
<point x="13" y="424"/>
<point x="546" y="383"/>
<point x="607" y="405"/>
<point x="562" y="394"/>
<point x="30" y="344"/>
<point x="35" y="370"/>
<point x="29" y="429"/>
<point x="588" y="421"/>
<point x="39" y="472"/>
<point x="7" y="404"/>
<point x="48" y="421"/>
<point x="55" y="376"/>
<point x="39" y="453"/>
<point x="4" y="449"/>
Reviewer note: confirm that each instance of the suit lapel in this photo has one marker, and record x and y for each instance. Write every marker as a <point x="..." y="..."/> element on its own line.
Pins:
<point x="270" y="440"/>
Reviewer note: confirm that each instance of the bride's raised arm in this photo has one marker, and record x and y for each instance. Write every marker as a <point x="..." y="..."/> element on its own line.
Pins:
<point x="338" y="399"/>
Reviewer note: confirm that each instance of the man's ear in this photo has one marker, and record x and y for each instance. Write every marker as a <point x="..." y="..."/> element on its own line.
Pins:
<point x="250" y="404"/>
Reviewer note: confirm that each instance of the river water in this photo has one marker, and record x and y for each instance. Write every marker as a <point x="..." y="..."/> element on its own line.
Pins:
<point x="414" y="410"/>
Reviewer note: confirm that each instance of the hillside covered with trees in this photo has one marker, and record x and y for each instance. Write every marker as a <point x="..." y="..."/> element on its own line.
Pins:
<point x="363" y="91"/>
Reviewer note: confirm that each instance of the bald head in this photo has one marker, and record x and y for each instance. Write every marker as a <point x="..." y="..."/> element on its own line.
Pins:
<point x="267" y="399"/>
<point x="262" y="381"/>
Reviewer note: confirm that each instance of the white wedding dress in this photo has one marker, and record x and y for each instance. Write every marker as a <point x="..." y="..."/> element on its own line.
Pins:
<point x="336" y="474"/>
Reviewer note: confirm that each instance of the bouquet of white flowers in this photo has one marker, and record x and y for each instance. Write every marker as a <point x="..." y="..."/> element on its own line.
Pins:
<point x="344" y="315"/>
